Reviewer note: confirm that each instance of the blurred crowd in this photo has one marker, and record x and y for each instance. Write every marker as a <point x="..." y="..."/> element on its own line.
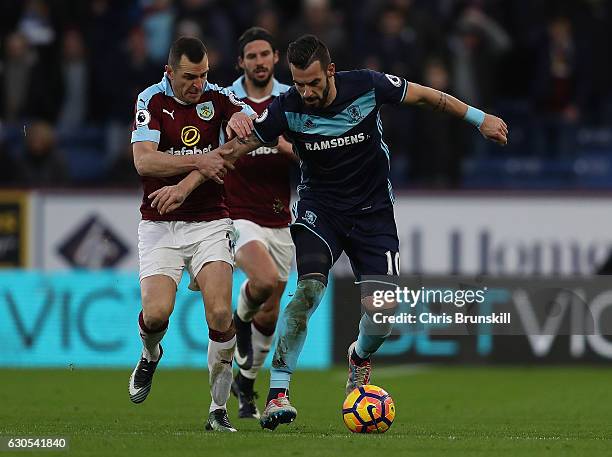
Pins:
<point x="70" y="72"/>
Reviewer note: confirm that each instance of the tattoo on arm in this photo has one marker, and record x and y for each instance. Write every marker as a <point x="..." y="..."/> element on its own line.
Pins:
<point x="239" y="146"/>
<point x="249" y="140"/>
<point x="441" y="106"/>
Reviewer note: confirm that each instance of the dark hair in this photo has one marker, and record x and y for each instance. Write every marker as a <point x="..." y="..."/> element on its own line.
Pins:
<point x="306" y="50"/>
<point x="191" y="47"/>
<point x="253" y="34"/>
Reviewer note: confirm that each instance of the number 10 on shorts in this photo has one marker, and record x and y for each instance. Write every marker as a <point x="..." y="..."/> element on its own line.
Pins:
<point x="393" y="260"/>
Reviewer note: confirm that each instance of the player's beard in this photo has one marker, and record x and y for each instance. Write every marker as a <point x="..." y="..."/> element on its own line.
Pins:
<point x="325" y="93"/>
<point x="259" y="82"/>
<point x="319" y="102"/>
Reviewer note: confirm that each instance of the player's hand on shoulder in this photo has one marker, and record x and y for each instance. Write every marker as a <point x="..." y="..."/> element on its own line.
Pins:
<point x="495" y="129"/>
<point x="168" y="198"/>
<point x="240" y="125"/>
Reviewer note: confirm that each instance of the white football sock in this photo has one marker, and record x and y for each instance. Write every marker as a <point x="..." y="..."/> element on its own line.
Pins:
<point x="150" y="343"/>
<point x="261" y="347"/>
<point x="220" y="358"/>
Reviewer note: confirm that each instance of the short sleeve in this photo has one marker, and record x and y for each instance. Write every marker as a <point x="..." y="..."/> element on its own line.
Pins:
<point x="389" y="88"/>
<point x="146" y="125"/>
<point x="272" y="123"/>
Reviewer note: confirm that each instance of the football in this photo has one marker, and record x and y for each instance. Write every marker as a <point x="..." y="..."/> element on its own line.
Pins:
<point x="368" y="409"/>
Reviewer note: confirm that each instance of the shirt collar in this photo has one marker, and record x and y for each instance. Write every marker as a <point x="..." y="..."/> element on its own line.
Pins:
<point x="238" y="88"/>
<point x="167" y="86"/>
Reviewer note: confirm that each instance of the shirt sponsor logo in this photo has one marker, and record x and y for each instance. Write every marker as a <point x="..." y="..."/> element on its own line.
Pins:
<point x="189" y="151"/>
<point x="143" y="117"/>
<point x="263" y="150"/>
<point x="336" y="142"/>
<point x="190" y="135"/>
<point x="205" y="110"/>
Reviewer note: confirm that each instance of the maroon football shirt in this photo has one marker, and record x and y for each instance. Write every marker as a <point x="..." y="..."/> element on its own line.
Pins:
<point x="259" y="189"/>
<point x="182" y="129"/>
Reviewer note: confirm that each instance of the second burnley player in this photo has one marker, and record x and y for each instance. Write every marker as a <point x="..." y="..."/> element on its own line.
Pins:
<point x="258" y="194"/>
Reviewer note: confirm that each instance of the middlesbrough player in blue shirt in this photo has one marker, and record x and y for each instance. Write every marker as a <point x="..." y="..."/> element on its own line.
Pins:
<point x="346" y="198"/>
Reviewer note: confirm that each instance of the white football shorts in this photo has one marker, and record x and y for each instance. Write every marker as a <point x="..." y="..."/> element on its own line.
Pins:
<point x="276" y="240"/>
<point x="167" y="247"/>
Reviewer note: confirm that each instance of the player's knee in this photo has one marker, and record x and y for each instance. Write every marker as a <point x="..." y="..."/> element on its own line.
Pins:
<point x="320" y="277"/>
<point x="310" y="290"/>
<point x="155" y="317"/>
<point x="312" y="287"/>
<point x="155" y="310"/>
<point x="219" y="318"/>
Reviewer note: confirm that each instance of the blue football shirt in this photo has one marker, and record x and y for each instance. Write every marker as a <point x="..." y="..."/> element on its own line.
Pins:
<point x="344" y="160"/>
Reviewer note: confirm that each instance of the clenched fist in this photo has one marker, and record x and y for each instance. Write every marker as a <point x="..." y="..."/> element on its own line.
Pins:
<point x="495" y="129"/>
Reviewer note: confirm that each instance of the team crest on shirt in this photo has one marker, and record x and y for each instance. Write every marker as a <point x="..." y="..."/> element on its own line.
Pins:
<point x="310" y="217"/>
<point x="278" y="206"/>
<point x="205" y="110"/>
<point x="355" y="114"/>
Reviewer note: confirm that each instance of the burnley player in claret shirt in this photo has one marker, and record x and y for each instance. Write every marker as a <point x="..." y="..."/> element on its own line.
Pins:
<point x="177" y="125"/>
<point x="258" y="194"/>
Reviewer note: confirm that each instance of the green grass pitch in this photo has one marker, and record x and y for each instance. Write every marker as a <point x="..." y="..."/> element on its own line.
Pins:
<point x="441" y="411"/>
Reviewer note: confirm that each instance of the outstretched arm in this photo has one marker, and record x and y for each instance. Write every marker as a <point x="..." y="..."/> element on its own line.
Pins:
<point x="491" y="127"/>
<point x="168" y="198"/>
